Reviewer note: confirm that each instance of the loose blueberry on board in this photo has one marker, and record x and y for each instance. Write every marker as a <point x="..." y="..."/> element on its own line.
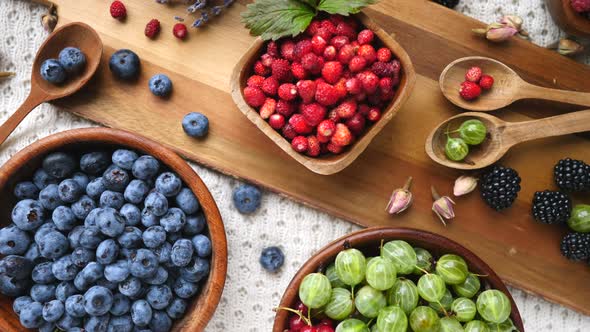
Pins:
<point x="160" y="85"/>
<point x="247" y="198"/>
<point x="195" y="124"/>
<point x="272" y="258"/>
<point x="72" y="60"/>
<point x="53" y="72"/>
<point x="125" y="64"/>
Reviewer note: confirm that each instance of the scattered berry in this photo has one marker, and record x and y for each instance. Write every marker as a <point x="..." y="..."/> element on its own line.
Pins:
<point x="572" y="175"/>
<point x="247" y="198"/>
<point x="499" y="187"/>
<point x="118" y="10"/>
<point x="486" y="82"/>
<point x="160" y="85"/>
<point x="469" y="90"/>
<point x="195" y="124"/>
<point x="272" y="259"/>
<point x="551" y="207"/>
<point x="473" y="74"/>
<point x="152" y="28"/>
<point x="576" y="246"/>
<point x="180" y="31"/>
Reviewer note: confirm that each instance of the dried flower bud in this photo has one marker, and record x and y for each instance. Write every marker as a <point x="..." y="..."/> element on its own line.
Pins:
<point x="400" y="199"/>
<point x="442" y="206"/>
<point x="509" y="25"/>
<point x="464" y="185"/>
<point x="49" y="21"/>
<point x="512" y="21"/>
<point x="569" y="47"/>
<point x="500" y="34"/>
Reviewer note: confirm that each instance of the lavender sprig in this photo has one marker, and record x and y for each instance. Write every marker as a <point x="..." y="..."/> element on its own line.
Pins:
<point x="214" y="11"/>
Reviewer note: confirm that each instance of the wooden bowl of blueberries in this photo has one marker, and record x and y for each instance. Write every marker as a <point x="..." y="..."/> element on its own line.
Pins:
<point x="103" y="229"/>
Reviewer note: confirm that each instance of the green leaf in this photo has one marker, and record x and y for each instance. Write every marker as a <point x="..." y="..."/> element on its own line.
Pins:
<point x="273" y="19"/>
<point x="343" y="7"/>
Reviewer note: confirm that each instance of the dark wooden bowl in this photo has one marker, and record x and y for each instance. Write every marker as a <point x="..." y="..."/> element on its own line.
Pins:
<point x="568" y="19"/>
<point x="368" y="241"/>
<point x="333" y="163"/>
<point x="22" y="165"/>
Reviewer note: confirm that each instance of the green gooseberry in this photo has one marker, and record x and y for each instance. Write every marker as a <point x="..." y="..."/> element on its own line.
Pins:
<point x="424" y="319"/>
<point x="315" y="290"/>
<point x="476" y="326"/>
<point x="333" y="276"/>
<point x="493" y="306"/>
<point x="401" y="254"/>
<point x="464" y="309"/>
<point x="369" y="301"/>
<point x="403" y="294"/>
<point x="392" y="319"/>
<point x="473" y="132"/>
<point x="374" y="328"/>
<point x="450" y="324"/>
<point x="469" y="287"/>
<point x="351" y="266"/>
<point x="456" y="149"/>
<point x="452" y="269"/>
<point x="425" y="261"/>
<point x="444" y="305"/>
<point x="580" y="218"/>
<point x="381" y="273"/>
<point x="352" y="325"/>
<point x="506" y="326"/>
<point x="431" y="287"/>
<point x="341" y="305"/>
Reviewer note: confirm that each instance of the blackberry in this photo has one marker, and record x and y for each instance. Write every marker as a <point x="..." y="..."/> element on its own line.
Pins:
<point x="447" y="3"/>
<point x="572" y="175"/>
<point x="576" y="246"/>
<point x="551" y="207"/>
<point x="499" y="187"/>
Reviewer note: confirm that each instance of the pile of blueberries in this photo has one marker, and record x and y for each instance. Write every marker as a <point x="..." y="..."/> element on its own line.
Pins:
<point x="71" y="61"/>
<point x="103" y="242"/>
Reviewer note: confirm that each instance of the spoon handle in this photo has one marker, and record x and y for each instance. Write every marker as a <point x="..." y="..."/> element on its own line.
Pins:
<point x="559" y="125"/>
<point x="564" y="96"/>
<point x="32" y="101"/>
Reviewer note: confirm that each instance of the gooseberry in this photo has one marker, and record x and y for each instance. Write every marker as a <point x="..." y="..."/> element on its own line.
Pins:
<point x="424" y="319"/>
<point x="369" y="301"/>
<point x="456" y="149"/>
<point x="431" y="287"/>
<point x="464" y="309"/>
<point x="341" y="305"/>
<point x="381" y="273"/>
<point x="452" y="269"/>
<point x="450" y="324"/>
<point x="469" y="287"/>
<point x="473" y="132"/>
<point x="493" y="306"/>
<point x="392" y="319"/>
<point x="352" y="325"/>
<point x="444" y="305"/>
<point x="351" y="266"/>
<point x="425" y="261"/>
<point x="401" y="254"/>
<point x="333" y="276"/>
<point x="403" y="294"/>
<point x="476" y="326"/>
<point x="315" y="290"/>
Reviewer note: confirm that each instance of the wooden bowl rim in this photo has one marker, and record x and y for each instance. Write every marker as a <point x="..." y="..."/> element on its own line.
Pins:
<point x="375" y="234"/>
<point x="578" y="21"/>
<point x="335" y="163"/>
<point x="208" y="298"/>
<point x="568" y="19"/>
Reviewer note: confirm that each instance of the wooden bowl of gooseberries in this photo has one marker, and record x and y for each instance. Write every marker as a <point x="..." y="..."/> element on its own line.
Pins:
<point x="568" y="19"/>
<point x="382" y="300"/>
<point x="21" y="166"/>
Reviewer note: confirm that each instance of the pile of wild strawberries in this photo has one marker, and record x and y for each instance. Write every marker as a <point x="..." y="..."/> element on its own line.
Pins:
<point x="322" y="89"/>
<point x="475" y="82"/>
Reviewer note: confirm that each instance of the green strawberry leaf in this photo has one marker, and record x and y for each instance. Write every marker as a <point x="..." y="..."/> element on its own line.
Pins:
<point x="343" y="7"/>
<point x="273" y="19"/>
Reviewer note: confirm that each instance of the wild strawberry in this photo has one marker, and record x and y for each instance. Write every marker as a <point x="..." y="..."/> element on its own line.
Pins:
<point x="397" y="67"/>
<point x="313" y="27"/>
<point x="347" y="109"/>
<point x="313" y="113"/>
<point x="326" y="128"/>
<point x="374" y="114"/>
<point x="152" y="28"/>
<point x="386" y="85"/>
<point x="180" y="31"/>
<point x="319" y="44"/>
<point x="118" y="10"/>
<point x="311" y="63"/>
<point x="260" y="69"/>
<point x="486" y="82"/>
<point x="360" y="97"/>
<point x="287" y="91"/>
<point x="469" y="90"/>
<point x="266" y="60"/>
<point x="254" y="96"/>
<point x="384" y="54"/>
<point x="346" y="29"/>
<point x="364" y="109"/>
<point x="306" y="90"/>
<point x="330" y="53"/>
<point x="332" y="71"/>
<point x="272" y="48"/>
<point x="313" y="146"/>
<point x="326" y="94"/>
<point x="329" y="25"/>
<point x="288" y="132"/>
<point x="302" y="48"/>
<point x="356" y="124"/>
<point x="357" y="64"/>
<point x="276" y="121"/>
<point x="341" y="88"/>
<point x="382" y="69"/>
<point x="268" y="108"/>
<point x="285" y="108"/>
<point x="300" y="144"/>
<point x="335" y="149"/>
<point x="342" y="135"/>
<point x="354" y="86"/>
<point x="298" y="71"/>
<point x="367" y="52"/>
<point x="255" y="81"/>
<point x="333" y="115"/>
<point x="287" y="50"/>
<point x="370" y="81"/>
<point x="473" y="74"/>
<point x="281" y="70"/>
<point x="366" y="37"/>
<point x="270" y="86"/>
<point x="346" y="54"/>
<point x="299" y="124"/>
<point x="339" y="41"/>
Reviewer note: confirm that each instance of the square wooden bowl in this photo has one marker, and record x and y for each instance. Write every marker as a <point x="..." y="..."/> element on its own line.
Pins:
<point x="330" y="164"/>
<point x="568" y="19"/>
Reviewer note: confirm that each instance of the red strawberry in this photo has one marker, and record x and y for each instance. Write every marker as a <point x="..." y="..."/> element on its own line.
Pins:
<point x="341" y="88"/>
<point x="300" y="144"/>
<point x="329" y="26"/>
<point x="270" y="86"/>
<point x="364" y="109"/>
<point x="313" y="27"/>
<point x="272" y="49"/>
<point x="386" y="85"/>
<point x="288" y="132"/>
<point x="180" y="31"/>
<point x="324" y="33"/>
<point x="357" y="64"/>
<point x="382" y="69"/>
<point x="260" y="69"/>
<point x="326" y="94"/>
<point x="313" y="149"/>
<point x="268" y="108"/>
<point x="384" y="54"/>
<point x="342" y="135"/>
<point x="287" y="50"/>
<point x="366" y="37"/>
<point x="486" y="82"/>
<point x="330" y="53"/>
<point x="285" y="108"/>
<point x="326" y="128"/>
<point x="347" y="109"/>
<point x="387" y="96"/>
<point x="469" y="90"/>
<point x="361" y="97"/>
<point x="339" y="41"/>
<point x="276" y="121"/>
<point x="255" y="81"/>
<point x="302" y="48"/>
<point x="311" y="63"/>
<point x="254" y="96"/>
<point x="300" y="125"/>
<point x="346" y="29"/>
<point x="354" y="86"/>
<point x="319" y="44"/>
<point x="356" y="124"/>
<point x="473" y="74"/>
<point x="281" y="70"/>
<point x="335" y="149"/>
<point x="370" y="81"/>
<point x="287" y="91"/>
<point x="313" y="113"/>
<point x="374" y="114"/>
<point x="306" y="90"/>
<point x="266" y="60"/>
<point x="118" y="10"/>
<point x="367" y="52"/>
<point x="298" y="71"/>
<point x="346" y="54"/>
<point x="333" y="116"/>
<point x="152" y="28"/>
<point x="332" y="71"/>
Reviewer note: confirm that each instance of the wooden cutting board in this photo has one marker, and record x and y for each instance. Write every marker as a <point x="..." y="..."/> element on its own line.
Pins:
<point x="525" y="253"/>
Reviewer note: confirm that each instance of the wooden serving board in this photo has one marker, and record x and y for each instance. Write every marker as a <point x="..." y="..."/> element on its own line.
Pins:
<point x="525" y="253"/>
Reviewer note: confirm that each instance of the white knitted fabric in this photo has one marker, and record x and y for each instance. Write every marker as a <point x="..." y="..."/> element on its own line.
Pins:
<point x="250" y="292"/>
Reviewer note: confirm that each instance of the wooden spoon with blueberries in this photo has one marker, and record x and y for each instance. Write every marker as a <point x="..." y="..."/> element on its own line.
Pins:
<point x="507" y="88"/>
<point x="64" y="64"/>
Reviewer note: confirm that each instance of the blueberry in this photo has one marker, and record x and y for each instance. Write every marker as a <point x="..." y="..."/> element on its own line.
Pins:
<point x="131" y="237"/>
<point x="159" y="278"/>
<point x="173" y="237"/>
<point x="117" y="272"/>
<point x="16" y="266"/>
<point x="154" y="236"/>
<point x="160" y="85"/>
<point x="69" y="191"/>
<point x="94" y="163"/>
<point x="127" y="253"/>
<point x="185" y="289"/>
<point x="49" y="327"/>
<point x="247" y="198"/>
<point x="13" y="241"/>
<point x="75" y="306"/>
<point x="74" y="236"/>
<point x="82" y="256"/>
<point x="63" y="218"/>
<point x="131" y="214"/>
<point x="272" y="259"/>
<point x="136" y="191"/>
<point x="144" y="264"/>
<point x="59" y="165"/>
<point x="173" y="221"/>
<point x="64" y="268"/>
<point x="33" y="254"/>
<point x="115" y="179"/>
<point x="141" y="313"/>
<point x="90" y="237"/>
<point x="121" y="305"/>
<point x="176" y="308"/>
<point x="89" y="275"/>
<point x="195" y="124"/>
<point x="24" y="190"/>
<point x="53" y="310"/>
<point x="43" y="293"/>
<point x="20" y="302"/>
<point x="49" y="197"/>
<point x="194" y="224"/>
<point x="53" y="72"/>
<point x="182" y="252"/>
<point x="124" y="158"/>
<point x="145" y="167"/>
<point x="112" y="199"/>
<point x="82" y="207"/>
<point x="98" y="301"/>
<point x="107" y="251"/>
<point x="160" y="322"/>
<point x="13" y="287"/>
<point x="110" y="222"/>
<point x="95" y="188"/>
<point x="42" y="273"/>
<point x="97" y="323"/>
<point x="42" y="179"/>
<point x="131" y="287"/>
<point x="202" y="245"/>
<point x="64" y="290"/>
<point x="90" y="220"/>
<point x="124" y="64"/>
<point x="148" y="218"/>
<point x="196" y="271"/>
<point x="168" y="184"/>
<point x="53" y="245"/>
<point x="44" y="229"/>
<point x="163" y="253"/>
<point x="110" y="285"/>
<point x="82" y="179"/>
<point x="120" y="324"/>
<point x="187" y="201"/>
<point x="159" y="296"/>
<point x="156" y="203"/>
<point x="72" y="60"/>
<point x="68" y="323"/>
<point x="31" y="315"/>
<point x="28" y="214"/>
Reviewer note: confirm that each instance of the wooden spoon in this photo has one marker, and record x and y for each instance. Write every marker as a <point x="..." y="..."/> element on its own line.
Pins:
<point x="508" y="86"/>
<point x="502" y="136"/>
<point x="78" y="35"/>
